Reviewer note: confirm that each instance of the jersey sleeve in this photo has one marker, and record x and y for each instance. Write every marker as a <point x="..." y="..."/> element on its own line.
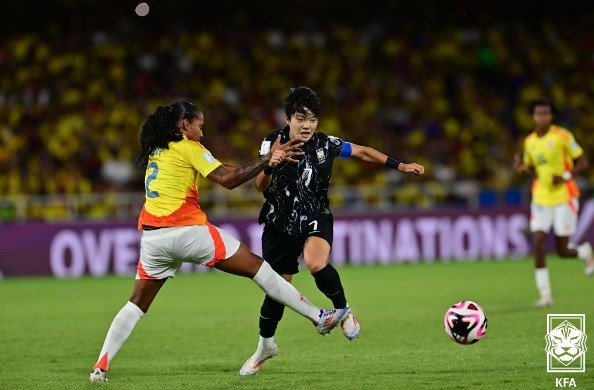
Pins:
<point x="201" y="159"/>
<point x="574" y="149"/>
<point x="267" y="143"/>
<point x="264" y="147"/>
<point x="338" y="147"/>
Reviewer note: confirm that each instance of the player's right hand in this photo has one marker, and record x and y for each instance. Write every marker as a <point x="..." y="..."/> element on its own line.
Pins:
<point x="291" y="148"/>
<point x="519" y="166"/>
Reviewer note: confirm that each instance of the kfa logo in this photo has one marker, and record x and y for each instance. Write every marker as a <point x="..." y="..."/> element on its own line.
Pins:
<point x="321" y="155"/>
<point x="565" y="382"/>
<point x="566" y="342"/>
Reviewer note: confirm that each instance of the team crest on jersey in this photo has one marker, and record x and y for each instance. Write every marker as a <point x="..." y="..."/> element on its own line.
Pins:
<point x="321" y="155"/>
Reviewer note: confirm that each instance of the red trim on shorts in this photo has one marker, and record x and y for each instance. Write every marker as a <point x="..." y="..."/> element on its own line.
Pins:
<point x="220" y="250"/>
<point x="572" y="206"/>
<point x="142" y="273"/>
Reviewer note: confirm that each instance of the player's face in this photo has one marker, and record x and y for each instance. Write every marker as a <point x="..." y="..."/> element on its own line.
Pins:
<point x="543" y="117"/>
<point x="302" y="126"/>
<point x="192" y="129"/>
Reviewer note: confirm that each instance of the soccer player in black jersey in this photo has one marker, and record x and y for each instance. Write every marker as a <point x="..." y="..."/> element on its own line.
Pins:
<point x="296" y="214"/>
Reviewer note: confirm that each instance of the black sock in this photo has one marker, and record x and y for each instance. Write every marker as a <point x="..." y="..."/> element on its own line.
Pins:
<point x="328" y="282"/>
<point x="271" y="313"/>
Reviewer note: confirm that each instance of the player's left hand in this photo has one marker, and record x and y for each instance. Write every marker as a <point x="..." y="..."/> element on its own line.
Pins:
<point x="414" y="168"/>
<point x="558" y="180"/>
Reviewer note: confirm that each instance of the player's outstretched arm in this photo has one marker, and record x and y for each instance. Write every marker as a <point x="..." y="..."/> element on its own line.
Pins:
<point x="232" y="176"/>
<point x="368" y="154"/>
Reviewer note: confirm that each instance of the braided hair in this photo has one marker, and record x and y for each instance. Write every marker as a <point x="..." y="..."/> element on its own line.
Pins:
<point x="161" y="128"/>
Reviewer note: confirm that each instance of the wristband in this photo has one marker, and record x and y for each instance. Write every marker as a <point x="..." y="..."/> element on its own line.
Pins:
<point x="392" y="163"/>
<point x="567" y="175"/>
<point x="268" y="170"/>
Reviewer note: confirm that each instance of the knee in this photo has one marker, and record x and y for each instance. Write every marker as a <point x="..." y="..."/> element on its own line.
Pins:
<point x="253" y="266"/>
<point x="315" y="265"/>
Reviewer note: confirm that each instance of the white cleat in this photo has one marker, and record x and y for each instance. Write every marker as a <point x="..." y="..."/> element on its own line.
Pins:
<point x="585" y="254"/>
<point x="98" y="375"/>
<point x="254" y="363"/>
<point x="541" y="303"/>
<point x="329" y="318"/>
<point x="351" y="327"/>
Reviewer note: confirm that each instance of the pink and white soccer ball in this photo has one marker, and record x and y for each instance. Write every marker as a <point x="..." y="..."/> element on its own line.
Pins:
<point x="465" y="322"/>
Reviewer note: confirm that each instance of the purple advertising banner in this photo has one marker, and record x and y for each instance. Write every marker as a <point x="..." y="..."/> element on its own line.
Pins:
<point x="76" y="249"/>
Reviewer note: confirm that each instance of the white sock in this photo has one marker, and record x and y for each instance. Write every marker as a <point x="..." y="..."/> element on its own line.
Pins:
<point x="584" y="251"/>
<point x="543" y="284"/>
<point x="283" y="292"/>
<point x="265" y="343"/>
<point x="121" y="327"/>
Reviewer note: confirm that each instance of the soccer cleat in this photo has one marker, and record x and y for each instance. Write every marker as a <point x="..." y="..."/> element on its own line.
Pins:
<point x="350" y="327"/>
<point x="542" y="302"/>
<point x="254" y="363"/>
<point x="98" y="375"/>
<point x="585" y="254"/>
<point x="329" y="318"/>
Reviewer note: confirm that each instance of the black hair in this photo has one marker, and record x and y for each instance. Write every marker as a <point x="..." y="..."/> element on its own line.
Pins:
<point x="161" y="128"/>
<point x="543" y="102"/>
<point x="300" y="98"/>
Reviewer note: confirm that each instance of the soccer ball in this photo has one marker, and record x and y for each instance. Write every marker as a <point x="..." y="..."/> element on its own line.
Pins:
<point x="465" y="322"/>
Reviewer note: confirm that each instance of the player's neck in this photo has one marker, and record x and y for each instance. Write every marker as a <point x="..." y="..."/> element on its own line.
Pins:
<point x="541" y="132"/>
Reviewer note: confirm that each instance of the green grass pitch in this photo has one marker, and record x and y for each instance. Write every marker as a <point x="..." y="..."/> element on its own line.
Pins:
<point x="202" y="327"/>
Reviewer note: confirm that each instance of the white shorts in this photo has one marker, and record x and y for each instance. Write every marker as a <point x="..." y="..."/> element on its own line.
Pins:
<point x="562" y="217"/>
<point x="162" y="251"/>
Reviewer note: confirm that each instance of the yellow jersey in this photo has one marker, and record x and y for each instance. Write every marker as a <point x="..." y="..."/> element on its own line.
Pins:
<point x="171" y="185"/>
<point x="552" y="154"/>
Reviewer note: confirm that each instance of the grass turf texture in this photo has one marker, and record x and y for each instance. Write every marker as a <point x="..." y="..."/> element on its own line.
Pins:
<point x="202" y="327"/>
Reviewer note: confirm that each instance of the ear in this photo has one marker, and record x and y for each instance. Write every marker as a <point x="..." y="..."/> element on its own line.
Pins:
<point x="287" y="120"/>
<point x="183" y="125"/>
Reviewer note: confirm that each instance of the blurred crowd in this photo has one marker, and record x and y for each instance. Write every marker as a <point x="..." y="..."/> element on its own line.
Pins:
<point x="447" y="92"/>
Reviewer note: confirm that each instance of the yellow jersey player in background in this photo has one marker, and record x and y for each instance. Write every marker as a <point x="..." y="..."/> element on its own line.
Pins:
<point x="554" y="156"/>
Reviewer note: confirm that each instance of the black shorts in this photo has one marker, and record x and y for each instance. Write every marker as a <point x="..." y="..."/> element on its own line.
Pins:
<point x="282" y="251"/>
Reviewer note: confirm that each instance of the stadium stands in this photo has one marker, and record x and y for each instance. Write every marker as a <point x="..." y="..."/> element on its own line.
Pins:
<point x="452" y="95"/>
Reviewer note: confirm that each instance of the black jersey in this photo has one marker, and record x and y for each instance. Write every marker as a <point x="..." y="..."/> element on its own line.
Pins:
<point x="298" y="192"/>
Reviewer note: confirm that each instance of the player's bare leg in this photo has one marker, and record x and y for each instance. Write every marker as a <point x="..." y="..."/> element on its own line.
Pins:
<point x="541" y="273"/>
<point x="583" y="252"/>
<point x="143" y="294"/>
<point x="563" y="248"/>
<point x="316" y="255"/>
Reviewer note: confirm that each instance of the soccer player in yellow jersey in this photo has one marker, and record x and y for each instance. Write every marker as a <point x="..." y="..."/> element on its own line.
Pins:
<point x="553" y="155"/>
<point x="176" y="230"/>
